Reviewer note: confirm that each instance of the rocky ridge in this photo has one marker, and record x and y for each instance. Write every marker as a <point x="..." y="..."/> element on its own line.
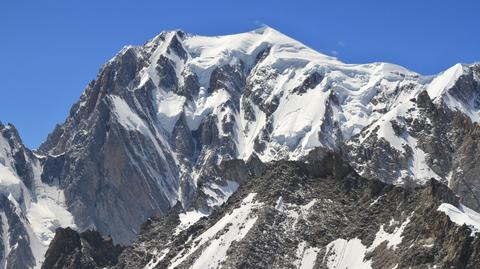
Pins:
<point x="169" y="112"/>
<point x="283" y="218"/>
<point x="153" y="130"/>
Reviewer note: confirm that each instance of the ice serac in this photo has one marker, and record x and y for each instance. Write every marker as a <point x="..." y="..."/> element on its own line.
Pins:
<point x="152" y="129"/>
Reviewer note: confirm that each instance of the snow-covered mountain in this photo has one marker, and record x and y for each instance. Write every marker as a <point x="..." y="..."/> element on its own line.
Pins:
<point x="156" y="127"/>
<point x="431" y="133"/>
<point x="30" y="210"/>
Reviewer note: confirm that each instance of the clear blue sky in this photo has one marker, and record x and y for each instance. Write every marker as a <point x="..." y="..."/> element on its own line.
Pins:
<point x="50" y="50"/>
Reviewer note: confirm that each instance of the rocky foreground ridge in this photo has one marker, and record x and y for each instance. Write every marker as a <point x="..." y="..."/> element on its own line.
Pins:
<point x="319" y="214"/>
<point x="152" y="133"/>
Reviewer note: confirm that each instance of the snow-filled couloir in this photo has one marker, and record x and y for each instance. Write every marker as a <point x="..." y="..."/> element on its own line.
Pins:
<point x="152" y="130"/>
<point x="174" y="108"/>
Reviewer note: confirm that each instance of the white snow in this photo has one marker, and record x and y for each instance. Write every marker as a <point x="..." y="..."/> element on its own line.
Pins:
<point x="157" y="259"/>
<point x="170" y="106"/>
<point x="438" y="91"/>
<point x="393" y="239"/>
<point x="7" y="177"/>
<point x="48" y="211"/>
<point x="218" y="194"/>
<point x="307" y="256"/>
<point x="418" y="165"/>
<point x="375" y="201"/>
<point x="462" y="215"/>
<point x="294" y="212"/>
<point x="189" y="218"/>
<point x="150" y="71"/>
<point x="10" y="183"/>
<point x="444" y="81"/>
<point x="346" y="254"/>
<point x="210" y="52"/>
<point x="126" y="116"/>
<point x="248" y="131"/>
<point x="47" y="214"/>
<point x="41" y="210"/>
<point x="218" y="240"/>
<point x="196" y="111"/>
<point x="386" y="131"/>
<point x="296" y="122"/>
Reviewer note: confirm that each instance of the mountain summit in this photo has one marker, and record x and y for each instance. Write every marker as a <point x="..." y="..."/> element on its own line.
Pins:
<point x="182" y="121"/>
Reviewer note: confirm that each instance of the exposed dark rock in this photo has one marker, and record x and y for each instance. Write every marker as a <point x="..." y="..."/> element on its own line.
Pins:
<point x="166" y="73"/>
<point x="310" y="82"/>
<point x="448" y="138"/>
<point x="183" y="139"/>
<point x="176" y="47"/>
<point x="21" y="256"/>
<point x="53" y="168"/>
<point x="331" y="195"/>
<point x="228" y="77"/>
<point x="190" y="86"/>
<point x="89" y="249"/>
<point x="20" y="154"/>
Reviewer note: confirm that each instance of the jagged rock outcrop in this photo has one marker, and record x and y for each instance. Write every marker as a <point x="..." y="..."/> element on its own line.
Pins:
<point x="178" y="123"/>
<point x="89" y="249"/>
<point x="430" y="137"/>
<point x="15" y="249"/>
<point x="30" y="210"/>
<point x="285" y="218"/>
<point x="159" y="118"/>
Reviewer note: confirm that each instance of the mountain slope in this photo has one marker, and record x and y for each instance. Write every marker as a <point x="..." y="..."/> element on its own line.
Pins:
<point x="160" y="117"/>
<point x="30" y="209"/>
<point x="152" y="132"/>
<point x="432" y="134"/>
<point x="319" y="214"/>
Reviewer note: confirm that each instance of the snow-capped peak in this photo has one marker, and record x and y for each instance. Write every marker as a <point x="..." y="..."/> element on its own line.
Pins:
<point x="181" y="104"/>
<point x="447" y="88"/>
<point x="444" y="81"/>
<point x="306" y="91"/>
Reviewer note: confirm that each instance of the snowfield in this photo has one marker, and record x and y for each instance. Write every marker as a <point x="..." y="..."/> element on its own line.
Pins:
<point x="278" y="99"/>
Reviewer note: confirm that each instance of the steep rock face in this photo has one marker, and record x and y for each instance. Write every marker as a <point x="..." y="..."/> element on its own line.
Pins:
<point x="152" y="130"/>
<point x="431" y="135"/>
<point x="15" y="246"/>
<point x="88" y="249"/>
<point x="158" y="119"/>
<point x="30" y="210"/>
<point x="285" y="218"/>
<point x="112" y="158"/>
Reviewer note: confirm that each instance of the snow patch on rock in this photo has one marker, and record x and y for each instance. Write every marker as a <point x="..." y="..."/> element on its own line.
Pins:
<point x="393" y="239"/>
<point x="306" y="256"/>
<point x="462" y="215"/>
<point x="346" y="254"/>
<point x="217" y="240"/>
<point x="127" y="117"/>
<point x="444" y="81"/>
<point x="218" y="194"/>
<point x="189" y="218"/>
